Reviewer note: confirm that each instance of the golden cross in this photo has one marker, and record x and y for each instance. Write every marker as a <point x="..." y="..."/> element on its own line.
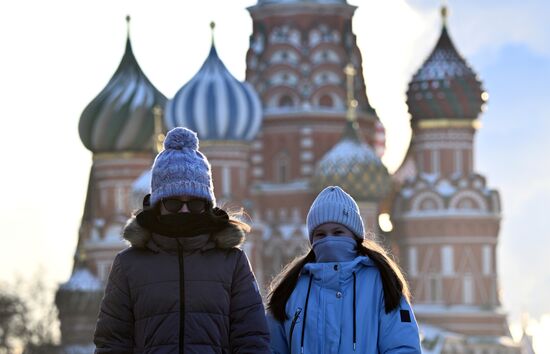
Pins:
<point x="444" y="12"/>
<point x="212" y="26"/>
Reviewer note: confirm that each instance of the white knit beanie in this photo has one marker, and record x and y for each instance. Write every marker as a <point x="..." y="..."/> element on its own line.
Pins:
<point x="333" y="204"/>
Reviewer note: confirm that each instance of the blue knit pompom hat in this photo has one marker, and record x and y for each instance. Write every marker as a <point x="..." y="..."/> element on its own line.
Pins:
<point x="180" y="169"/>
<point x="333" y="204"/>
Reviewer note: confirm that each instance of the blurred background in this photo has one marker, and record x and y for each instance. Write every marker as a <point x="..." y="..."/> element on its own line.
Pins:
<point x="57" y="57"/>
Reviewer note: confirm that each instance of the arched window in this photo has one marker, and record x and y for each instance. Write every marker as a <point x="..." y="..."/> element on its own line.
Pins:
<point x="428" y="204"/>
<point x="427" y="201"/>
<point x="282" y="168"/>
<point x="435" y="288"/>
<point x="468" y="289"/>
<point x="326" y="101"/>
<point x="286" y="101"/>
<point x="466" y="204"/>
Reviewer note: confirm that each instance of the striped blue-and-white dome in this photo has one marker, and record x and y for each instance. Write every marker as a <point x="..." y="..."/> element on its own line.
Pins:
<point x="215" y="104"/>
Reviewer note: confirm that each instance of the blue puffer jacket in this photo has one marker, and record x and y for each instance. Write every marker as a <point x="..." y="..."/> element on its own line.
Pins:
<point x="344" y="313"/>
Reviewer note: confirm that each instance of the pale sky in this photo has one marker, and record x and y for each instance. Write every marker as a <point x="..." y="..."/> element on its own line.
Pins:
<point x="58" y="55"/>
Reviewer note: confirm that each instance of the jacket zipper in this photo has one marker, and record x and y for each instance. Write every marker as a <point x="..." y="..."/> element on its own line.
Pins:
<point x="182" y="299"/>
<point x="293" y="324"/>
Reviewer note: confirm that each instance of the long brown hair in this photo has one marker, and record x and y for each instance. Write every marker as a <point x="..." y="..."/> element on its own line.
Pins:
<point x="393" y="282"/>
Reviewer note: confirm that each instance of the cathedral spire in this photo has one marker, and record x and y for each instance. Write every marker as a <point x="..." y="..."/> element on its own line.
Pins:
<point x="128" y="18"/>
<point x="159" y="135"/>
<point x="120" y="117"/>
<point x="445" y="87"/>
<point x="444" y="14"/>
<point x="212" y="27"/>
<point x="350" y="72"/>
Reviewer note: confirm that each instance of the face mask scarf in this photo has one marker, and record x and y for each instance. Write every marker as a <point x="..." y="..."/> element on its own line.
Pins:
<point x="183" y="224"/>
<point x="335" y="249"/>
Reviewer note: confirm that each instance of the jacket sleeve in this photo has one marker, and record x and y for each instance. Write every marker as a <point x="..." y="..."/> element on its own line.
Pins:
<point x="114" y="332"/>
<point x="279" y="343"/>
<point x="398" y="330"/>
<point x="249" y="332"/>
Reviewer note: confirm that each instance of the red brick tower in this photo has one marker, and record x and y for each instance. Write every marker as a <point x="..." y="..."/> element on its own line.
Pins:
<point x="117" y="127"/>
<point x="446" y="219"/>
<point x="296" y="60"/>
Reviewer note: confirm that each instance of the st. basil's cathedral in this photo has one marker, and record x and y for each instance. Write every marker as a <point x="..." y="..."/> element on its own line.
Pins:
<point x="301" y="121"/>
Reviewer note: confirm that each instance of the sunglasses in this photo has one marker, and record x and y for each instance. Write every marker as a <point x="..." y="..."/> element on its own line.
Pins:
<point x="174" y="205"/>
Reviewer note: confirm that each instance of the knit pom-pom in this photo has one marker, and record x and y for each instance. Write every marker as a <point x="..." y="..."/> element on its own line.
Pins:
<point x="179" y="138"/>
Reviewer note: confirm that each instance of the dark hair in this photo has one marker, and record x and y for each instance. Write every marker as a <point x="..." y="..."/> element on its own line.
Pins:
<point x="393" y="282"/>
<point x="236" y="220"/>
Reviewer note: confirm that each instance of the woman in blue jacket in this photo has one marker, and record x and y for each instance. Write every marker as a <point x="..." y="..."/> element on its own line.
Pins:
<point x="344" y="296"/>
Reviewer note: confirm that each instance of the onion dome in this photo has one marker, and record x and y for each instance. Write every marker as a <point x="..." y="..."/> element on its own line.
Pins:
<point x="121" y="118"/>
<point x="353" y="165"/>
<point x="445" y="86"/>
<point x="215" y="104"/>
<point x="77" y="301"/>
<point x="81" y="294"/>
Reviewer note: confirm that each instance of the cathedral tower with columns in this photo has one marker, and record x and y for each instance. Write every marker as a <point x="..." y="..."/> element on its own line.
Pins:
<point x="446" y="218"/>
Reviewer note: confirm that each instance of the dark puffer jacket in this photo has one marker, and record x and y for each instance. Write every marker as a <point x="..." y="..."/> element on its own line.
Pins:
<point x="141" y="312"/>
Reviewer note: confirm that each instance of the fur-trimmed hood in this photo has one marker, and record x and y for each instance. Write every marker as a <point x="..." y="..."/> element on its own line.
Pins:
<point x="139" y="237"/>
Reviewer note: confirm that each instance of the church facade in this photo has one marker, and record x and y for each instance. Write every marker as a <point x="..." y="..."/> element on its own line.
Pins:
<point x="299" y="122"/>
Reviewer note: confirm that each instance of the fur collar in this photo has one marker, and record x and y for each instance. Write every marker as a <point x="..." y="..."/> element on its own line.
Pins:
<point x="137" y="236"/>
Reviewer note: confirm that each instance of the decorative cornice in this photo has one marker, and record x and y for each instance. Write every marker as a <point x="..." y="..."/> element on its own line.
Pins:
<point x="411" y="241"/>
<point x="321" y="114"/>
<point x="103" y="156"/>
<point x="223" y="143"/>
<point x="448" y="123"/>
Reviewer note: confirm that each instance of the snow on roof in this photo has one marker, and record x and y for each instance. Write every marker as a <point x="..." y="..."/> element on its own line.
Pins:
<point x="267" y="232"/>
<point x="407" y="192"/>
<point x="445" y="188"/>
<point x="454" y="309"/>
<point x="432" y="339"/>
<point x="82" y="280"/>
<point x="348" y="151"/>
<point x="287" y="231"/>
<point x="429" y="177"/>
<point x="143" y="183"/>
<point x="499" y="340"/>
<point x="79" y="349"/>
<point x="293" y="230"/>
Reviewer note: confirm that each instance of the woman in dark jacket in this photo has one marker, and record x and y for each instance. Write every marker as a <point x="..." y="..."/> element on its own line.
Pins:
<point x="184" y="285"/>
